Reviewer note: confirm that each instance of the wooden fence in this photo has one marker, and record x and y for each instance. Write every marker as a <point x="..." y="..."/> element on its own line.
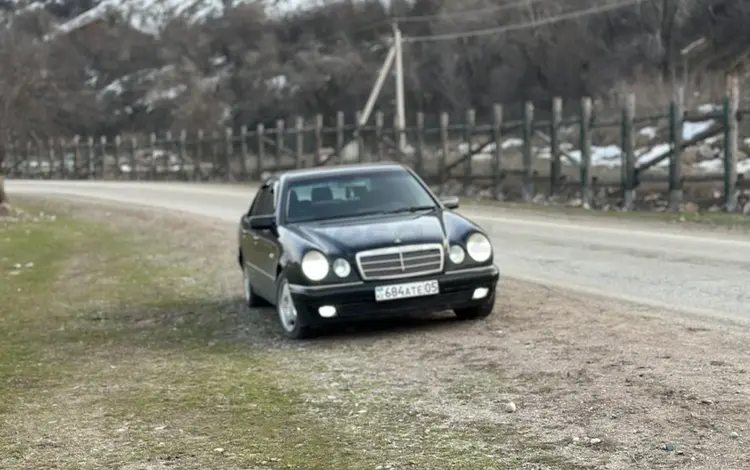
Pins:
<point x="527" y="156"/>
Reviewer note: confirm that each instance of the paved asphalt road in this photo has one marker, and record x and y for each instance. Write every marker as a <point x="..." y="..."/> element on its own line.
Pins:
<point x="698" y="273"/>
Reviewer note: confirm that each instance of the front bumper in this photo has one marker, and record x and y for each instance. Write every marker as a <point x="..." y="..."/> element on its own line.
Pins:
<point x="356" y="301"/>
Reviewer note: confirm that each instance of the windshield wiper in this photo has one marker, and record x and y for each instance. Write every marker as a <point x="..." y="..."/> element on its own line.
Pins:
<point x="368" y="213"/>
<point x="340" y="216"/>
<point x="411" y="209"/>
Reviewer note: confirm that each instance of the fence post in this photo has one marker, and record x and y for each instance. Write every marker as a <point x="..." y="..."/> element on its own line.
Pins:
<point x="51" y="156"/>
<point x="471" y="117"/>
<point x="182" y="149"/>
<point x="731" y="108"/>
<point x="444" y="121"/>
<point x="215" y="138"/>
<point x="676" y="110"/>
<point x="63" y="171"/>
<point x="261" y="131"/>
<point x="76" y="155"/>
<point x="279" y="142"/>
<point x="497" y="131"/>
<point x="17" y="158"/>
<point x="299" y="132"/>
<point x="379" y="123"/>
<point x="116" y="150"/>
<point x="528" y="152"/>
<point x="168" y="145"/>
<point x="419" y="164"/>
<point x="585" y="143"/>
<point x="90" y="157"/>
<point x="103" y="151"/>
<point x="229" y="153"/>
<point x="13" y="150"/>
<point x="199" y="148"/>
<point x="152" y="151"/>
<point x="358" y="137"/>
<point x="27" y="158"/>
<point x="318" y="139"/>
<point x="339" y="134"/>
<point x="33" y="149"/>
<point x="555" y="168"/>
<point x="396" y="150"/>
<point x="134" y="174"/>
<point x="243" y="151"/>
<point x="628" y="148"/>
<point x="396" y="133"/>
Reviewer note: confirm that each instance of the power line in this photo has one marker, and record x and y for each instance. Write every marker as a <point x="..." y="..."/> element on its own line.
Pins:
<point x="458" y="14"/>
<point x="520" y="26"/>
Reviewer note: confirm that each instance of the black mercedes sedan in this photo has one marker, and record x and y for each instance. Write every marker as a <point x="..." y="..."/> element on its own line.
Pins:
<point x="356" y="242"/>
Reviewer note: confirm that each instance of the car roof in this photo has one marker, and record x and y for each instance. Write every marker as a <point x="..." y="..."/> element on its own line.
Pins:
<point x="338" y="170"/>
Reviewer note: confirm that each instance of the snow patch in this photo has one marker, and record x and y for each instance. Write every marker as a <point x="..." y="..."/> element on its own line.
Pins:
<point x="709" y="108"/>
<point x="646" y="156"/>
<point x="608" y="155"/>
<point x="692" y="129"/>
<point x="649" y="132"/>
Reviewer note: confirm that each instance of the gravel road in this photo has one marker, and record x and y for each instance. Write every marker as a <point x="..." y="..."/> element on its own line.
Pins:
<point x="691" y="272"/>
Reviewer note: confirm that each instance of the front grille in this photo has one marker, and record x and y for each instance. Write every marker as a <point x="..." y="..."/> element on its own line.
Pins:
<point x="400" y="261"/>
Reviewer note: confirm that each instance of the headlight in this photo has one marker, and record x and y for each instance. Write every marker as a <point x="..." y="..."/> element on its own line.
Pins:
<point x="341" y="267"/>
<point x="478" y="247"/>
<point x="456" y="254"/>
<point x="315" y="265"/>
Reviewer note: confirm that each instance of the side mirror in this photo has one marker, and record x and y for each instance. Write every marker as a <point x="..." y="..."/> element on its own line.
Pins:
<point x="262" y="222"/>
<point x="450" y="202"/>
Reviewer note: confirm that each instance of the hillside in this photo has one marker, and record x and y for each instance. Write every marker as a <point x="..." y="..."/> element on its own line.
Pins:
<point x="115" y="66"/>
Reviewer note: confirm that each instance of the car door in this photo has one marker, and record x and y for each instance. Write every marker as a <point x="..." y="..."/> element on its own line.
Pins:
<point x="249" y="241"/>
<point x="266" y="245"/>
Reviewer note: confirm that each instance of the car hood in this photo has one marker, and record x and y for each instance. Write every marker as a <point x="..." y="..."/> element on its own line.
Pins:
<point x="348" y="236"/>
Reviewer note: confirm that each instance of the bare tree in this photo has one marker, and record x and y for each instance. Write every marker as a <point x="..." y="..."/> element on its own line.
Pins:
<point x="244" y="67"/>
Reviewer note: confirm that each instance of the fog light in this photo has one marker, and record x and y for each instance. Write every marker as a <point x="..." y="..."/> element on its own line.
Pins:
<point x="479" y="293"/>
<point x="327" y="311"/>
<point x="456" y="254"/>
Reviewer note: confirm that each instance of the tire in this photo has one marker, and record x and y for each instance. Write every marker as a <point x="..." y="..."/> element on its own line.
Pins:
<point x="251" y="300"/>
<point x="287" y="312"/>
<point x="478" y="312"/>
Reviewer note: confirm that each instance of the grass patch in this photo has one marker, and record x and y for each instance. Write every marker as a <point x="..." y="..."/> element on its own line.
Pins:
<point x="717" y="219"/>
<point x="108" y="361"/>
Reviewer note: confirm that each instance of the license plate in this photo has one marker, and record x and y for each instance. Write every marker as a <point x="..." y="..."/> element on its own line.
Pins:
<point x="405" y="291"/>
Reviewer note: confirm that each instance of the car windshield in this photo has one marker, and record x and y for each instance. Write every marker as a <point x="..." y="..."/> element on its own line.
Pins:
<point x="341" y="196"/>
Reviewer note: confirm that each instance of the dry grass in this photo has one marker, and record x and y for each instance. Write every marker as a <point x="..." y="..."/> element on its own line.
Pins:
<point x="130" y="349"/>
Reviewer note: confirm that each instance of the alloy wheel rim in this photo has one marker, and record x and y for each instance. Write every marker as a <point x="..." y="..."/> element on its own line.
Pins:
<point x="287" y="310"/>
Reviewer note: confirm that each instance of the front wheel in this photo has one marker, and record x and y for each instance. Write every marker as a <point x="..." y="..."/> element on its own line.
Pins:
<point x="476" y="312"/>
<point x="288" y="314"/>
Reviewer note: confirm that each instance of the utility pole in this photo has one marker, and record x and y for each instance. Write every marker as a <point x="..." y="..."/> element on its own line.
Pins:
<point x="400" y="105"/>
<point x="377" y="88"/>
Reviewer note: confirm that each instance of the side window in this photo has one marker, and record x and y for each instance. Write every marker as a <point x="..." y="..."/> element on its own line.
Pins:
<point x="263" y="204"/>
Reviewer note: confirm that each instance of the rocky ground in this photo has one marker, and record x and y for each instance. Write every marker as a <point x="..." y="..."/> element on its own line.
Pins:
<point x="552" y="380"/>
